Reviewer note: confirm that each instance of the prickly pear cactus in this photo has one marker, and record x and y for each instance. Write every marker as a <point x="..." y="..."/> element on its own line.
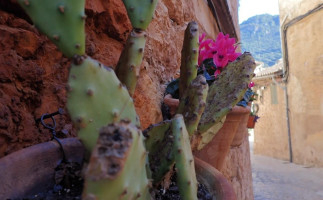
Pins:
<point x="189" y="60"/>
<point x="96" y="98"/>
<point x="62" y="21"/>
<point x="140" y="12"/>
<point x="128" y="67"/>
<point x="159" y="144"/>
<point x="184" y="161"/>
<point x="117" y="166"/>
<point x="227" y="90"/>
<point x="192" y="103"/>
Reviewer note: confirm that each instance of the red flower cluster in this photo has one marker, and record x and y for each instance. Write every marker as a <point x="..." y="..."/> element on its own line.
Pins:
<point x="222" y="50"/>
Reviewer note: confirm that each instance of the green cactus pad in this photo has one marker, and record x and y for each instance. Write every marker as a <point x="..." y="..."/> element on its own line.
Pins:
<point x="62" y="21"/>
<point x="159" y="144"/>
<point x="96" y="98"/>
<point x="189" y="60"/>
<point x="192" y="103"/>
<point x="117" y="165"/>
<point x="140" y="12"/>
<point x="185" y="170"/>
<point x="128" y="67"/>
<point x="227" y="90"/>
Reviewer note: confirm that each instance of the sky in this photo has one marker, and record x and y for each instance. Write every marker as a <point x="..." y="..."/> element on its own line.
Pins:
<point x="249" y="8"/>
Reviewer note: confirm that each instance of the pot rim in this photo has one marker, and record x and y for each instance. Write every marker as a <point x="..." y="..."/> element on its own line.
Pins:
<point x="214" y="180"/>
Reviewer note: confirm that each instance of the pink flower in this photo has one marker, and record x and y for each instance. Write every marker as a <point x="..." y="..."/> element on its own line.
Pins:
<point x="251" y="84"/>
<point x="225" y="50"/>
<point x="222" y="50"/>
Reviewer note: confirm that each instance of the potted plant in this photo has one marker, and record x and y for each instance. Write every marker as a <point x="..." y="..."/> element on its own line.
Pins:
<point x="124" y="162"/>
<point x="247" y="100"/>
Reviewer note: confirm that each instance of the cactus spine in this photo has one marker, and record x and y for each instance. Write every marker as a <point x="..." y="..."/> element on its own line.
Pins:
<point x="62" y="21"/>
<point x="189" y="58"/>
<point x="117" y="165"/>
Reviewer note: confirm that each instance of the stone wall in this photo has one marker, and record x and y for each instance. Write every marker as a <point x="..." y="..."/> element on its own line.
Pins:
<point x="237" y="169"/>
<point x="33" y="73"/>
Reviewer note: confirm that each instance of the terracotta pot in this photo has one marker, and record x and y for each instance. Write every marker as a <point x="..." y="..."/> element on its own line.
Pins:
<point x="31" y="170"/>
<point x="251" y="121"/>
<point x="215" y="152"/>
<point x="242" y="130"/>
<point x="215" y="182"/>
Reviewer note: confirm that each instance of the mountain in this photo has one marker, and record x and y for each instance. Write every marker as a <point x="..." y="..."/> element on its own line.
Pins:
<point x="260" y="35"/>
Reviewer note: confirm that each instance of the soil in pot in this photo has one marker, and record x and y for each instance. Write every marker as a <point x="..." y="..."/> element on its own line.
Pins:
<point x="69" y="184"/>
<point x="172" y="193"/>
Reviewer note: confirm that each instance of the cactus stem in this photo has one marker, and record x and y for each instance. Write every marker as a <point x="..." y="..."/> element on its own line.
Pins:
<point x="77" y="46"/>
<point x="132" y="8"/>
<point x="141" y="50"/>
<point x="189" y="182"/>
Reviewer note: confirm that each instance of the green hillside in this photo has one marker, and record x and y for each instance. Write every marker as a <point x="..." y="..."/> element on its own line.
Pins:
<point x="260" y="35"/>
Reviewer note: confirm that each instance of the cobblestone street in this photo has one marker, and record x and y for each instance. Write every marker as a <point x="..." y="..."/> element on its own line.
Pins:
<point x="280" y="180"/>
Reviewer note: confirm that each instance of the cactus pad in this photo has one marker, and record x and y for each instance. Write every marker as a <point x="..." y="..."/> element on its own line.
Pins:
<point x="227" y="90"/>
<point x="159" y="144"/>
<point x="192" y="103"/>
<point x="117" y="165"/>
<point x="62" y="21"/>
<point x="128" y="67"/>
<point x="189" y="58"/>
<point x="96" y="98"/>
<point x="140" y="12"/>
<point x="186" y="177"/>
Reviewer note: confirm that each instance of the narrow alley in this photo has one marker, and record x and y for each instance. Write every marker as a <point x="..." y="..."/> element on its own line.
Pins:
<point x="275" y="179"/>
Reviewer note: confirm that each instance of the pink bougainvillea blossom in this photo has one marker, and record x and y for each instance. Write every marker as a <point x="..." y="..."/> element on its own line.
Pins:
<point x="222" y="50"/>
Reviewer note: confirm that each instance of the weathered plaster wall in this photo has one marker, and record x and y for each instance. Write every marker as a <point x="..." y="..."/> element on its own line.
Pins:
<point x="305" y="91"/>
<point x="271" y="130"/>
